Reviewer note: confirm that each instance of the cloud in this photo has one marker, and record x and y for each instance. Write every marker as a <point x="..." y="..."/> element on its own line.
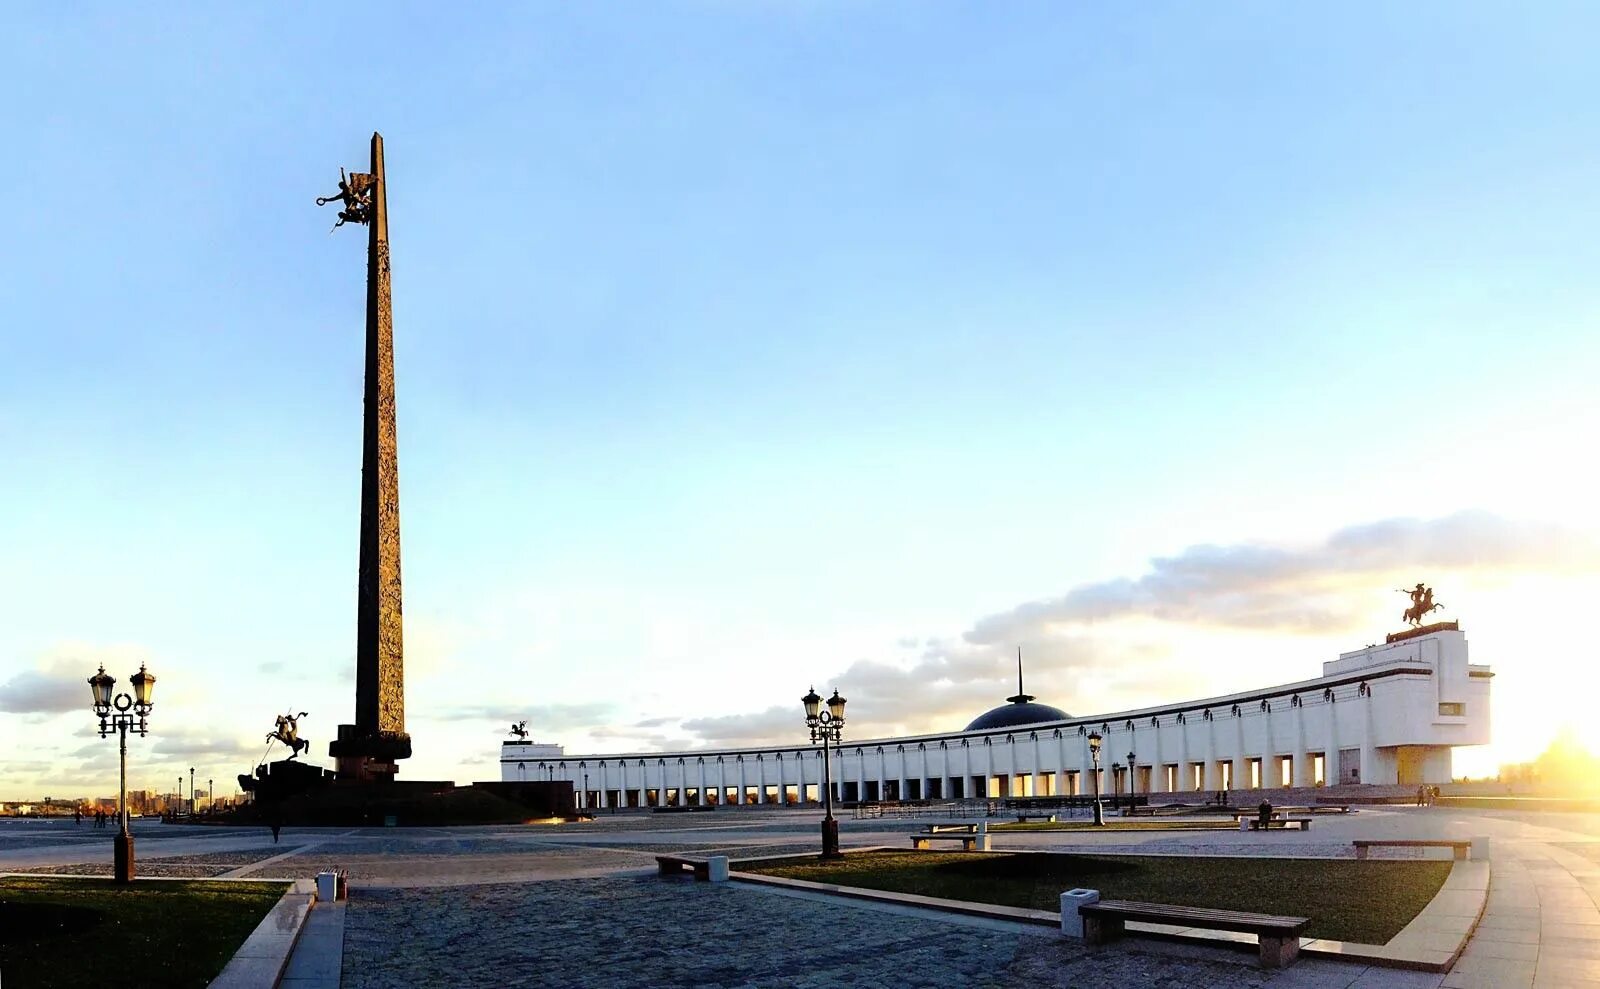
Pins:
<point x="33" y="692"/>
<point x="213" y="747"/>
<point x="60" y="683"/>
<point x="1299" y="589"/>
<point x="540" y="717"/>
<point x="1073" y="650"/>
<point x="775" y="723"/>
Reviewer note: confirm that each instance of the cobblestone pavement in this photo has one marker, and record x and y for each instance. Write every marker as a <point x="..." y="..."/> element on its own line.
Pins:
<point x="578" y="905"/>
<point x="642" y="931"/>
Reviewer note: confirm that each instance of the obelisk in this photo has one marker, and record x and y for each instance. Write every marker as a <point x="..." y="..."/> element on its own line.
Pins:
<point x="367" y="750"/>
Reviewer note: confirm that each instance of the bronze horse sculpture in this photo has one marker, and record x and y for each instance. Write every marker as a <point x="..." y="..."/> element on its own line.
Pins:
<point x="1421" y="604"/>
<point x="288" y="732"/>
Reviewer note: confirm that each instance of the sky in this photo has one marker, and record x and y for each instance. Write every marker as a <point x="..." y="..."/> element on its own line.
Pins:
<point x="745" y="347"/>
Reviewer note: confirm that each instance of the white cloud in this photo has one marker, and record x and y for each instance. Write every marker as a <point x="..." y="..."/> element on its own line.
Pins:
<point x="60" y="682"/>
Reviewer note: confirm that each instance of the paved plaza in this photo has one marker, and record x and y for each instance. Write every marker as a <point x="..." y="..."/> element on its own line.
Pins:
<point x="579" y="905"/>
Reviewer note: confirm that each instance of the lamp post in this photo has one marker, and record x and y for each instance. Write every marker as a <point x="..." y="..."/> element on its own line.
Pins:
<point x="191" y="793"/>
<point x="585" y="803"/>
<point x="130" y="713"/>
<point x="1133" y="781"/>
<point x="177" y="808"/>
<point x="211" y="795"/>
<point x="1094" y="776"/>
<point x="826" y="727"/>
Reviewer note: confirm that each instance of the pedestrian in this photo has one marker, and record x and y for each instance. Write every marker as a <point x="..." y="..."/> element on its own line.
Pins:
<point x="276" y="822"/>
<point x="1264" y="814"/>
<point x="1422" y="796"/>
<point x="77" y="815"/>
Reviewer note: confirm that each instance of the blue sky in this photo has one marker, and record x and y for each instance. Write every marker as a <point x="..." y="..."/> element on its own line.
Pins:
<point x="740" y="344"/>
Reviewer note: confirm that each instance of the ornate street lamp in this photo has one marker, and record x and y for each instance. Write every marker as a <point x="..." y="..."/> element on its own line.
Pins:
<point x="129" y="713"/>
<point x="826" y="727"/>
<point x="1094" y="776"/>
<point x="1133" y="781"/>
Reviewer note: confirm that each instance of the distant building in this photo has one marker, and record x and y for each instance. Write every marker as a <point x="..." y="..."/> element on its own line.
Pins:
<point x="1389" y="713"/>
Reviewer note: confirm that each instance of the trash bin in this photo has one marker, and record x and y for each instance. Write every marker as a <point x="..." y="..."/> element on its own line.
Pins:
<point x="327" y="886"/>
<point x="1071" y="900"/>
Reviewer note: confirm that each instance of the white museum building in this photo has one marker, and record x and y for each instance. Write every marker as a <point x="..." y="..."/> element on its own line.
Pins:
<point x="1388" y="713"/>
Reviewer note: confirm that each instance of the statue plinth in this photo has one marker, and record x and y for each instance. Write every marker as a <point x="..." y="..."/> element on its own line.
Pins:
<point x="1412" y="633"/>
<point x="369" y="757"/>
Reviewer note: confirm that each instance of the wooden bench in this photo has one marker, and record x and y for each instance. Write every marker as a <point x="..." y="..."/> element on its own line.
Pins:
<point x="1302" y="823"/>
<point x="1458" y="848"/>
<point x="971" y="841"/>
<point x="672" y="865"/>
<point x="1279" y="937"/>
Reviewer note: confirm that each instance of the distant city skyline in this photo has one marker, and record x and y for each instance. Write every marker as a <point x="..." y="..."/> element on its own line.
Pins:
<point x="744" y="349"/>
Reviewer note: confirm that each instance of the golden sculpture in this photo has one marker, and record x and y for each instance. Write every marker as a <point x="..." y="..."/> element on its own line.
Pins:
<point x="1421" y="604"/>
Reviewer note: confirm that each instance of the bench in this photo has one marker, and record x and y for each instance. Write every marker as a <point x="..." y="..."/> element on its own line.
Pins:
<point x="971" y="841"/>
<point x="1302" y="823"/>
<point x="1037" y="815"/>
<point x="673" y="865"/>
<point x="971" y="827"/>
<point x="1279" y="937"/>
<point x="1458" y="848"/>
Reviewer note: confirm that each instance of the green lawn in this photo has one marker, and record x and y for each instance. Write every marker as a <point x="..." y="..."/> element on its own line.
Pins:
<point x="1347" y="900"/>
<point x="56" y="931"/>
<point x="1162" y="824"/>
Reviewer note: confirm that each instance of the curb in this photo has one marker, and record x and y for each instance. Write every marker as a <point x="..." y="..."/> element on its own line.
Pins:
<point x="261" y="960"/>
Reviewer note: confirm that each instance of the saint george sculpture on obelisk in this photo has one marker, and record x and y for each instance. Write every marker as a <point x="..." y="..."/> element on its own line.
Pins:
<point x="367" y="750"/>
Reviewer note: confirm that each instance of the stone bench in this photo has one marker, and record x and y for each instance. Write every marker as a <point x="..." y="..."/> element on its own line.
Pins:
<point x="713" y="869"/>
<point x="1279" y="937"/>
<point x="1039" y="815"/>
<point x="1458" y="848"/>
<point x="1282" y="823"/>
<point x="971" y="841"/>
<point x="971" y="827"/>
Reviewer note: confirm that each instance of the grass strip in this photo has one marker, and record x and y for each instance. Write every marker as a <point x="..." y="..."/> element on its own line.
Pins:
<point x="77" y="932"/>
<point x="1348" y="900"/>
<point x="1163" y="825"/>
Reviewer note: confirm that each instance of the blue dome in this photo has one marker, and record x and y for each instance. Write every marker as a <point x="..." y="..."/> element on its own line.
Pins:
<point x="1021" y="711"/>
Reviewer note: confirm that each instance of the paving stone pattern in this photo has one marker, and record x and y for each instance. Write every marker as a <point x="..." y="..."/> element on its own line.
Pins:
<point x="637" y="931"/>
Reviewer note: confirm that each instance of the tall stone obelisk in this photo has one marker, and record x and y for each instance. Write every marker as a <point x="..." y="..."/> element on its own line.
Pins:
<point x="367" y="750"/>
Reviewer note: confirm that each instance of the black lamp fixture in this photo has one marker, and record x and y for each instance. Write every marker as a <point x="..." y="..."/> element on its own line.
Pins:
<point x="1095" y="741"/>
<point x="122" y="713"/>
<point x="826" y="727"/>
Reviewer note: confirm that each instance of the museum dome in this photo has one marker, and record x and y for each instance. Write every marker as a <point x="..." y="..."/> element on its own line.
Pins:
<point x="1018" y="710"/>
